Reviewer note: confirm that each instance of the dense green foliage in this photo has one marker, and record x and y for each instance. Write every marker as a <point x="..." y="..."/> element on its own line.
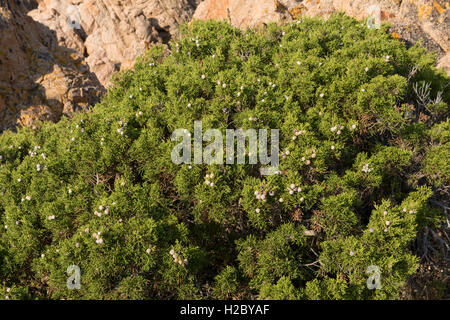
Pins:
<point x="359" y="159"/>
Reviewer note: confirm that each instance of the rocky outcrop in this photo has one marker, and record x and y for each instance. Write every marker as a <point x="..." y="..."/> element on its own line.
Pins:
<point x="57" y="56"/>
<point x="39" y="79"/>
<point x="111" y="34"/>
<point x="244" y="13"/>
<point x="411" y="20"/>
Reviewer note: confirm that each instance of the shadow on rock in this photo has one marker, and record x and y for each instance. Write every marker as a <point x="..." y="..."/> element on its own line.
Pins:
<point x="39" y="79"/>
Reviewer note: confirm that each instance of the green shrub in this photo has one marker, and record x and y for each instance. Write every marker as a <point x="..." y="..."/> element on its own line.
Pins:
<point x="100" y="190"/>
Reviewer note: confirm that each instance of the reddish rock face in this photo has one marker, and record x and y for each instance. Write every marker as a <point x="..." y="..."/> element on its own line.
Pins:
<point x="386" y="15"/>
<point x="38" y="78"/>
<point x="214" y="9"/>
<point x="411" y="20"/>
<point x="57" y="57"/>
<point x="244" y="13"/>
<point x="111" y="34"/>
